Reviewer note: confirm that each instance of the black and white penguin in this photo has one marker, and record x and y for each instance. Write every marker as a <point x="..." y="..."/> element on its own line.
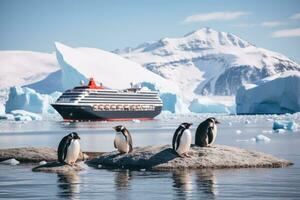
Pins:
<point x="69" y="149"/>
<point x="182" y="140"/>
<point x="206" y="132"/>
<point x="123" y="140"/>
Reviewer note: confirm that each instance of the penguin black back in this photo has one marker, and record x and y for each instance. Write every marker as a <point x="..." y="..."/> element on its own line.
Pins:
<point x="204" y="132"/>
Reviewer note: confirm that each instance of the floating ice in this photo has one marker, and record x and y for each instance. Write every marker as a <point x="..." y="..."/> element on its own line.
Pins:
<point x="288" y="125"/>
<point x="261" y="138"/>
<point x="279" y="130"/>
<point x="11" y="161"/>
<point x="238" y="132"/>
<point x="42" y="162"/>
<point x="22" y="115"/>
<point x="7" y="117"/>
<point x="136" y="121"/>
<point x="273" y="95"/>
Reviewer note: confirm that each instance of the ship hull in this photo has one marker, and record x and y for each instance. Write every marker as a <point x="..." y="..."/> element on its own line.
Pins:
<point x="80" y="112"/>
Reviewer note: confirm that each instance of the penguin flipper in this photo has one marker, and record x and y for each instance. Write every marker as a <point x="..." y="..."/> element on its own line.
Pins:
<point x="210" y="135"/>
<point x="178" y="139"/>
<point x="63" y="149"/>
<point x="115" y="144"/>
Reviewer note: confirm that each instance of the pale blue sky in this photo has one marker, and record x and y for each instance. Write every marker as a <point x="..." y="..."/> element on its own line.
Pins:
<point x="36" y="24"/>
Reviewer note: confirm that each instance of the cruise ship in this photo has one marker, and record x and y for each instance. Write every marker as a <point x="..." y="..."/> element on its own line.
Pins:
<point x="93" y="102"/>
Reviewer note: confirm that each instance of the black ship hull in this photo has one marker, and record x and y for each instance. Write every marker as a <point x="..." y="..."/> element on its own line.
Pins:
<point x="81" y="112"/>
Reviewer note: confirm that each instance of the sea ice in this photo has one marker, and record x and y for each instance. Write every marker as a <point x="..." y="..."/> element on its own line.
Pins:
<point x="238" y="132"/>
<point x="22" y="115"/>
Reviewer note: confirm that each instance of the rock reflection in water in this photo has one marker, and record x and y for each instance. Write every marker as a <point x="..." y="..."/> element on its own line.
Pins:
<point x="206" y="183"/>
<point x="68" y="185"/>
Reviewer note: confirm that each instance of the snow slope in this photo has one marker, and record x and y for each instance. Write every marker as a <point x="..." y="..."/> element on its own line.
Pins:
<point x="25" y="67"/>
<point x="274" y="95"/>
<point x="208" y="61"/>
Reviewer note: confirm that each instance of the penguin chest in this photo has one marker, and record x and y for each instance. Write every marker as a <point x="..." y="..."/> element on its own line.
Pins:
<point x="73" y="152"/>
<point x="185" y="142"/>
<point x="121" y="143"/>
<point x="214" y="133"/>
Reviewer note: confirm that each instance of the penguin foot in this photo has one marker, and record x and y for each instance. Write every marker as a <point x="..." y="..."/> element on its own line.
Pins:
<point x="187" y="155"/>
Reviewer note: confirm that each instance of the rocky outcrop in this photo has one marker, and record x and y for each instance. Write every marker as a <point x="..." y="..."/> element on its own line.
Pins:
<point x="163" y="158"/>
<point x="37" y="154"/>
<point x="56" y="167"/>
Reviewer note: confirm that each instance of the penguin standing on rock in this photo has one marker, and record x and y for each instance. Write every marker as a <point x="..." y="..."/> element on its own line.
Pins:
<point x="69" y="149"/>
<point x="206" y="132"/>
<point x="123" y="140"/>
<point x="182" y="140"/>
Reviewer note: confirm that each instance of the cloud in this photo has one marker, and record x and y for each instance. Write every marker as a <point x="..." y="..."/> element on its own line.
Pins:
<point x="271" y="23"/>
<point x="286" y="33"/>
<point x="244" y="25"/>
<point x="295" y="16"/>
<point x="221" y="16"/>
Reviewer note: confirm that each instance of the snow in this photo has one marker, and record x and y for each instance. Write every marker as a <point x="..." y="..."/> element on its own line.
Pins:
<point x="287" y="125"/>
<point x="111" y="69"/>
<point x="273" y="95"/>
<point x="207" y="61"/>
<point x="25" y="67"/>
<point x="29" y="100"/>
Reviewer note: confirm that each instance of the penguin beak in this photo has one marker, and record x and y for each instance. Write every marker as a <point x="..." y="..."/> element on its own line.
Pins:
<point x="77" y="138"/>
<point x="217" y="122"/>
<point x="115" y="128"/>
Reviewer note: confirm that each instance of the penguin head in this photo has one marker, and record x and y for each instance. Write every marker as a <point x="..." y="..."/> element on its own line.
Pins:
<point x="212" y="121"/>
<point x="74" y="136"/>
<point x="119" y="128"/>
<point x="186" y="125"/>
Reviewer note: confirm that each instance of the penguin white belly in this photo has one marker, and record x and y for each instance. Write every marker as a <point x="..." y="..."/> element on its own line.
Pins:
<point x="215" y="130"/>
<point x="121" y="143"/>
<point x="73" y="152"/>
<point x="185" y="142"/>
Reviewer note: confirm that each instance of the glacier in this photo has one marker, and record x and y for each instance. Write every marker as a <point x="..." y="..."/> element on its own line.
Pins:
<point x="29" y="100"/>
<point x="273" y="95"/>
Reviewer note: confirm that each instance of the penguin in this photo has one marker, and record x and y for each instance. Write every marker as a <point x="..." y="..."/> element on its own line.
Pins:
<point x="69" y="149"/>
<point x="206" y="132"/>
<point x="123" y="140"/>
<point x="182" y="140"/>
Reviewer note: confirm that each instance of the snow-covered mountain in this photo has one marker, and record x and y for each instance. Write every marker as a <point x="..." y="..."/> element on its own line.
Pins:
<point x="208" y="61"/>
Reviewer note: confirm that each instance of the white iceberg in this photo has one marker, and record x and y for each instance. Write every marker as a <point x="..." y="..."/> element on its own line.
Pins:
<point x="29" y="100"/>
<point x="273" y="95"/>
<point x="2" y="109"/>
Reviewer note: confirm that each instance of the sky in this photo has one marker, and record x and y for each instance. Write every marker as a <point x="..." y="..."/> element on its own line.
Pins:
<point x="36" y="24"/>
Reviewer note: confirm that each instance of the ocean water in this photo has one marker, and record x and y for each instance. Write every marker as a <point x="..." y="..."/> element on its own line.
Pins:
<point x="19" y="182"/>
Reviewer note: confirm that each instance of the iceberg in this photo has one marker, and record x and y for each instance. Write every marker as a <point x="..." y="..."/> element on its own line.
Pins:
<point x="2" y="109"/>
<point x="22" y="115"/>
<point x="273" y="95"/>
<point x="261" y="138"/>
<point x="208" y="105"/>
<point x="287" y="125"/>
<point x="29" y="100"/>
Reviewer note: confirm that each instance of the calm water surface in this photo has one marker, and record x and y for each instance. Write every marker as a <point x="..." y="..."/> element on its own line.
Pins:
<point x="19" y="182"/>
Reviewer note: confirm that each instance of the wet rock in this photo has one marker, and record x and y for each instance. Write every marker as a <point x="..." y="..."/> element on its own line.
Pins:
<point x="56" y="167"/>
<point x="163" y="158"/>
<point x="33" y="154"/>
